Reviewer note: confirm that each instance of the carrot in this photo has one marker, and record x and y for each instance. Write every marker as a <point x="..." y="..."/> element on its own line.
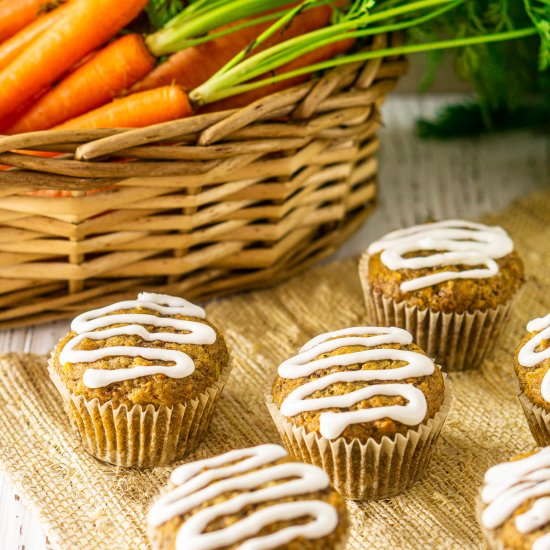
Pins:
<point x="96" y="82"/>
<point x="87" y="25"/>
<point x="191" y="67"/>
<point x="59" y="193"/>
<point x="135" y="111"/>
<point x="17" y="14"/>
<point x="321" y="54"/>
<point x="12" y="118"/>
<point x="11" y="48"/>
<point x="7" y="121"/>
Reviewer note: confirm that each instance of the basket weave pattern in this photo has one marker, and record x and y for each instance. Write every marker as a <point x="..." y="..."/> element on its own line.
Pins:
<point x="214" y="203"/>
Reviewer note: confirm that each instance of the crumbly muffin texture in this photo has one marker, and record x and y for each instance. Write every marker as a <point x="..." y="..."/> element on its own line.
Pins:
<point x="530" y="378"/>
<point x="157" y="389"/>
<point x="164" y="536"/>
<point x="507" y="534"/>
<point x="432" y="386"/>
<point x="456" y="295"/>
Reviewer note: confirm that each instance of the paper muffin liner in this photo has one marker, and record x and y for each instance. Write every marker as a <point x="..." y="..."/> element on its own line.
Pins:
<point x="538" y="420"/>
<point x="458" y="341"/>
<point x="140" y="437"/>
<point x="366" y="471"/>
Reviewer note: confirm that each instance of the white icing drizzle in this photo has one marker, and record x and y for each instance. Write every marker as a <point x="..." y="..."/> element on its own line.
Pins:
<point x="458" y="242"/>
<point x="510" y="485"/>
<point x="233" y="472"/>
<point x="332" y="424"/>
<point x="85" y="326"/>
<point x="528" y="357"/>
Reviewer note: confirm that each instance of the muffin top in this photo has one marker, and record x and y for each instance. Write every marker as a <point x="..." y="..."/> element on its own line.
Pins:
<point x="532" y="362"/>
<point x="255" y="498"/>
<point x="449" y="266"/>
<point x="516" y="499"/>
<point x="359" y="383"/>
<point x="156" y="350"/>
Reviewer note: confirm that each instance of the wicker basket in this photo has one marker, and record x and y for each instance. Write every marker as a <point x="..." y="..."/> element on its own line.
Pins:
<point x="215" y="203"/>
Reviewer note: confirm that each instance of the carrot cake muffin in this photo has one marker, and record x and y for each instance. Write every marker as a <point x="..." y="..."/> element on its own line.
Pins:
<point x="451" y="283"/>
<point x="515" y="503"/>
<point x="366" y="404"/>
<point x="249" y="498"/>
<point x="532" y="363"/>
<point x="140" y="378"/>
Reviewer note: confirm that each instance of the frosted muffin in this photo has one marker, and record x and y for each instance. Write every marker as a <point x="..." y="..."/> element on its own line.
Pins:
<point x="249" y="498"/>
<point x="515" y="503"/>
<point x="532" y="363"/>
<point x="140" y="378"/>
<point x="450" y="283"/>
<point x="365" y="404"/>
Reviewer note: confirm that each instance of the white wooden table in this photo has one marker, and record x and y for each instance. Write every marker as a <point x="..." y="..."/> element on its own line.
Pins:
<point x="418" y="180"/>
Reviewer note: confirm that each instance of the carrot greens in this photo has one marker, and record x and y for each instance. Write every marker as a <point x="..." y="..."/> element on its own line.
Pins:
<point x="241" y="49"/>
<point x="365" y="18"/>
<point x="160" y="12"/>
<point x="202" y="16"/>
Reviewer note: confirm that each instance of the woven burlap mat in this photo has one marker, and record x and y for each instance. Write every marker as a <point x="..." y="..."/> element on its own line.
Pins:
<point x="86" y="505"/>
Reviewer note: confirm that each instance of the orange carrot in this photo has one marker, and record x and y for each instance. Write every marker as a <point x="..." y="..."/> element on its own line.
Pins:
<point x="317" y="56"/>
<point x="19" y="42"/>
<point x="193" y="66"/>
<point x="7" y="121"/>
<point x="135" y="111"/>
<point x="91" y="85"/>
<point x="59" y="193"/>
<point x="17" y="14"/>
<point x="87" y="25"/>
<point x="12" y="118"/>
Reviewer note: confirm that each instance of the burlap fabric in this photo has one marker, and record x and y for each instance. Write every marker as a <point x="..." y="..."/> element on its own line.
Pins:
<point x="84" y="504"/>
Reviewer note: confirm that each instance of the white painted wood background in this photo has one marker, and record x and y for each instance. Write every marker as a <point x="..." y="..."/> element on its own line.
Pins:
<point x="418" y="180"/>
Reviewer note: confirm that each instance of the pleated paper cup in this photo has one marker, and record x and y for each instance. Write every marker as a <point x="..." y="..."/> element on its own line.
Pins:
<point x="366" y="471"/>
<point x="140" y="436"/>
<point x="538" y="420"/>
<point x="458" y="341"/>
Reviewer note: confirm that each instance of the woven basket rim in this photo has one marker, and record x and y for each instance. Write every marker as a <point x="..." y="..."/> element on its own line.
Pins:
<point x="201" y="138"/>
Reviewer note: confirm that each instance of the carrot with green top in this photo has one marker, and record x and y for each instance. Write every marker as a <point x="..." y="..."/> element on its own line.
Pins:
<point x="194" y="65"/>
<point x="18" y="43"/>
<point x="86" y="25"/>
<point x="324" y="53"/>
<point x="107" y="74"/>
<point x="135" y="111"/>
<point x="265" y="61"/>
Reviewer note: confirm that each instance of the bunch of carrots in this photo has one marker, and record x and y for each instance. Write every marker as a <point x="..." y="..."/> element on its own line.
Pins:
<point x="72" y="66"/>
<point x="81" y="64"/>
